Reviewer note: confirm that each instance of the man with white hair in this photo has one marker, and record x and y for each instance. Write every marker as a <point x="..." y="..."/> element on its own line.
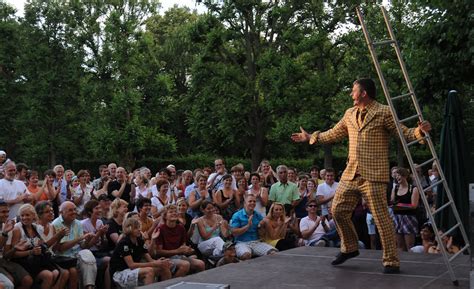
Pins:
<point x="76" y="243"/>
<point x="13" y="191"/>
<point x="61" y="184"/>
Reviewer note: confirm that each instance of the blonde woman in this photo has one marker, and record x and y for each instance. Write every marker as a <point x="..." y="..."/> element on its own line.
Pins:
<point x="274" y="226"/>
<point x="118" y="209"/>
<point x="36" y="259"/>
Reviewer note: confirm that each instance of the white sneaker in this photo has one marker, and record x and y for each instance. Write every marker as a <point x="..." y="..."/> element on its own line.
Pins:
<point x="320" y="243"/>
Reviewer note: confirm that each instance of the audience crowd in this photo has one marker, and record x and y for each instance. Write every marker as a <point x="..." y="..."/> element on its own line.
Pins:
<point x="125" y="229"/>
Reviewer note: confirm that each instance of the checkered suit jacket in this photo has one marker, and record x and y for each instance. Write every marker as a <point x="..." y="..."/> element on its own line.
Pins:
<point x="368" y="144"/>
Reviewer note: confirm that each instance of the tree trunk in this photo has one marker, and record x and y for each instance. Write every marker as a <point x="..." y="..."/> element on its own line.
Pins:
<point x="128" y="160"/>
<point x="328" y="157"/>
<point x="258" y="145"/>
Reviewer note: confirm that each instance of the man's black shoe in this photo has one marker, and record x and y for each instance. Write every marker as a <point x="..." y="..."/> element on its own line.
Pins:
<point x="391" y="270"/>
<point x="343" y="257"/>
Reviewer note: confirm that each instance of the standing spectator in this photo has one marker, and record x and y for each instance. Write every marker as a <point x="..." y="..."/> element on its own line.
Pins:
<point x="326" y="191"/>
<point x="76" y="244"/>
<point x="103" y="176"/>
<point x="171" y="243"/>
<point x="244" y="226"/>
<point x="405" y="198"/>
<point x="283" y="191"/>
<point x="112" y="171"/>
<point x="142" y="190"/>
<point x="314" y="173"/>
<point x="260" y="192"/>
<point x="13" y="191"/>
<point x="187" y="183"/>
<point x="22" y="173"/>
<point x="3" y="161"/>
<point x="242" y="188"/>
<point x="237" y="171"/>
<point x="47" y="192"/>
<point x="127" y="267"/>
<point x="122" y="188"/>
<point x="83" y="192"/>
<point x="215" y="181"/>
<point x="269" y="175"/>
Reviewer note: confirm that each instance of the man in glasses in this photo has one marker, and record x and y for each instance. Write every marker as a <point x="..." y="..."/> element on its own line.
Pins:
<point x="215" y="182"/>
<point x="311" y="227"/>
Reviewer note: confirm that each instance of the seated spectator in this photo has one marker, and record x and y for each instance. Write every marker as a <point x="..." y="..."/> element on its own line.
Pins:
<point x="183" y="217"/>
<point x="83" y="192"/>
<point x="198" y="196"/>
<point x="211" y="227"/>
<point x="449" y="243"/>
<point x="229" y="255"/>
<point x="427" y="239"/>
<point x="162" y="199"/>
<point x="104" y="203"/>
<point x="49" y="235"/>
<point x="242" y="188"/>
<point x="269" y="177"/>
<point x="405" y="198"/>
<point x="310" y="226"/>
<point x="312" y="188"/>
<point x="12" y="191"/>
<point x="118" y="209"/>
<point x="76" y="244"/>
<point x="93" y="224"/>
<point x="326" y="191"/>
<point x="33" y="187"/>
<point x="127" y="268"/>
<point x="244" y="226"/>
<point x="146" y="223"/>
<point x="226" y="198"/>
<point x="36" y="259"/>
<point x="273" y="228"/>
<point x="15" y="274"/>
<point x="292" y="175"/>
<point x="260" y="192"/>
<point x="171" y="243"/>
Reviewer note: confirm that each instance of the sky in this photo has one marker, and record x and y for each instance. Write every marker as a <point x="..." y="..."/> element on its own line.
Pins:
<point x="165" y="4"/>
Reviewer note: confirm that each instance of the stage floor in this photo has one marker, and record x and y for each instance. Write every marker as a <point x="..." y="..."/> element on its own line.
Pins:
<point x="306" y="267"/>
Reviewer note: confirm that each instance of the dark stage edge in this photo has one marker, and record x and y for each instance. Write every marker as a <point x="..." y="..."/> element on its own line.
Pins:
<point x="309" y="267"/>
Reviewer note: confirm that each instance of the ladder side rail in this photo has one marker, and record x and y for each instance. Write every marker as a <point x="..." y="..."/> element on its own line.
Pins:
<point x="418" y="110"/>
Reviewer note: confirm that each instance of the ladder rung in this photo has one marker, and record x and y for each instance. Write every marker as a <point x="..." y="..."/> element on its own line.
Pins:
<point x="442" y="208"/>
<point x="433" y="185"/>
<point x="417" y="140"/>
<point x="425" y="163"/>
<point x="410" y="117"/>
<point x="459" y="252"/>
<point x="450" y="230"/>
<point x="401" y="96"/>
<point x="383" y="42"/>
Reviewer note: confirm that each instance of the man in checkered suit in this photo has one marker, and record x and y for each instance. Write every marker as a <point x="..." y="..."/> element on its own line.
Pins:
<point x="368" y="125"/>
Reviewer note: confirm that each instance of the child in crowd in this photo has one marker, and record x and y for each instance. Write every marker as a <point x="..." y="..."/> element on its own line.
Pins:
<point x="229" y="255"/>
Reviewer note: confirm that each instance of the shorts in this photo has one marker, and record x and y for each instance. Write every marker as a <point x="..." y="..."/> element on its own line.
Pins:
<point x="255" y="248"/>
<point x="13" y="269"/>
<point x="127" y="278"/>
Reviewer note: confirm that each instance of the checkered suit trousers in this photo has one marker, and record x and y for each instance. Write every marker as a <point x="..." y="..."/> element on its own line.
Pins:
<point x="347" y="196"/>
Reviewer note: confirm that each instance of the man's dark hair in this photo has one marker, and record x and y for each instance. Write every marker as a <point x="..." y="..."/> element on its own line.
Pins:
<point x="102" y="167"/>
<point x="141" y="202"/>
<point x="166" y="171"/>
<point x="330" y="170"/>
<point x="367" y="85"/>
<point x="21" y="166"/>
<point x="315" y="167"/>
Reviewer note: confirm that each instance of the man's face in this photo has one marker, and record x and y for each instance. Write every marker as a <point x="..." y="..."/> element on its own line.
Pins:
<point x="104" y="173"/>
<point x="59" y="172"/>
<point x="291" y="175"/>
<point x="219" y="166"/>
<point x="69" y="213"/>
<point x="146" y="208"/>
<point x="173" y="173"/>
<point x="329" y="178"/>
<point x="357" y="94"/>
<point x="172" y="215"/>
<point x="4" y="213"/>
<point x="250" y="203"/>
<point x="120" y="174"/>
<point x="283" y="175"/>
<point x="312" y="208"/>
<point x="112" y="169"/>
<point x="164" y="176"/>
<point x="10" y="172"/>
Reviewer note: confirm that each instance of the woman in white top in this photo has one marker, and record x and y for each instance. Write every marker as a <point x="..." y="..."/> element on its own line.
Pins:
<point x="161" y="200"/>
<point x="47" y="232"/>
<point x="260" y="193"/>
<point x="83" y="192"/>
<point x="142" y="190"/>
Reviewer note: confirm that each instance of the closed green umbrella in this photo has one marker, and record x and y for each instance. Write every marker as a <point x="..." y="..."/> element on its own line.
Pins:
<point x="453" y="157"/>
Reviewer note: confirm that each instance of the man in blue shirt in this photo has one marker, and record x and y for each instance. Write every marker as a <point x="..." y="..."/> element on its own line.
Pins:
<point x="244" y="226"/>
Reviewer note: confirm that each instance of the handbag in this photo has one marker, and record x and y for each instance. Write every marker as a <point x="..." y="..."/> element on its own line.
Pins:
<point x="64" y="261"/>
